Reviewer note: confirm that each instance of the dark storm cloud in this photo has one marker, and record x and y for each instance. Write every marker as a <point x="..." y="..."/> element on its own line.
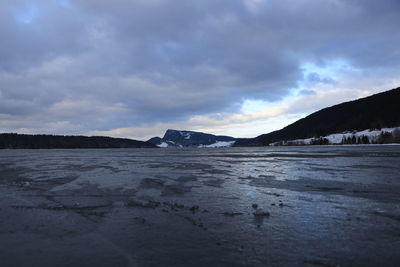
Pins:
<point x="33" y="32"/>
<point x="97" y="65"/>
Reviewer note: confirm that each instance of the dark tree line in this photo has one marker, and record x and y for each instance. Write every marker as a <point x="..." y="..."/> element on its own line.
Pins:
<point x="319" y="141"/>
<point x="356" y="140"/>
<point x="26" y="141"/>
<point x="383" y="138"/>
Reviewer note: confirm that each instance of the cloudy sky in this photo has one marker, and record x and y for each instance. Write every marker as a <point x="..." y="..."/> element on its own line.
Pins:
<point x="133" y="68"/>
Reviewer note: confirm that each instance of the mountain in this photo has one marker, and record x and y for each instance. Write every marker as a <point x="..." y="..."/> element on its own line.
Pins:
<point x="175" y="138"/>
<point x="11" y="141"/>
<point x="373" y="112"/>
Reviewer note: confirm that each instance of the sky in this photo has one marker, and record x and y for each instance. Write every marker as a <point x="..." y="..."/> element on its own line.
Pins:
<point x="135" y="68"/>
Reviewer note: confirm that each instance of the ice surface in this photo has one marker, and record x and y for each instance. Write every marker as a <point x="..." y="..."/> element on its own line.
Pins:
<point x="270" y="206"/>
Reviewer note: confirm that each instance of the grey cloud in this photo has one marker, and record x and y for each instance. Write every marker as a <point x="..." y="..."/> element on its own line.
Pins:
<point x="98" y="65"/>
<point x="306" y="92"/>
<point x="53" y="31"/>
<point x="314" y="77"/>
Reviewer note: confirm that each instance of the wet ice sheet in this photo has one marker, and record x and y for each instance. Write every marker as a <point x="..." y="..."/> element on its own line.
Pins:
<point x="218" y="207"/>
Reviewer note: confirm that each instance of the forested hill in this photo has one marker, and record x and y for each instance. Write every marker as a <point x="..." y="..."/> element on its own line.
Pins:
<point x="373" y="112"/>
<point x="25" y="141"/>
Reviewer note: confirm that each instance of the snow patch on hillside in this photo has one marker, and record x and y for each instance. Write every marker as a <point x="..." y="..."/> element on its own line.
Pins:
<point x="220" y="144"/>
<point x="185" y="135"/>
<point x="163" y="144"/>
<point x="337" y="138"/>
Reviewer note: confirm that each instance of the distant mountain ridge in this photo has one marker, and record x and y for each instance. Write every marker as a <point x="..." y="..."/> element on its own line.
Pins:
<point x="29" y="141"/>
<point x="176" y="138"/>
<point x="377" y="111"/>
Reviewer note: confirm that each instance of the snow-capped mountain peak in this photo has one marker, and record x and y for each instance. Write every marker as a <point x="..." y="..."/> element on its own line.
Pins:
<point x="177" y="138"/>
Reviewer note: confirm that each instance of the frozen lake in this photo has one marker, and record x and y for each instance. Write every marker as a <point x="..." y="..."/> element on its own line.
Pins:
<point x="291" y="206"/>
